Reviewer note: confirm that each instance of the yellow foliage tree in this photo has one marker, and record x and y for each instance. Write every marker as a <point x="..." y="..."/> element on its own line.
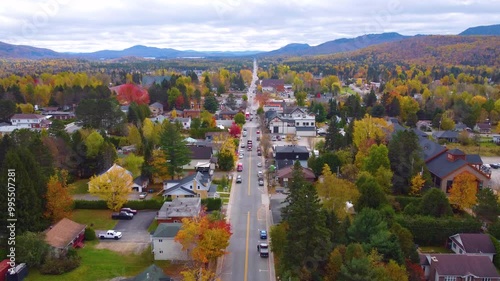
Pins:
<point x="370" y="128"/>
<point x="417" y="182"/>
<point x="335" y="193"/>
<point x="158" y="162"/>
<point x="463" y="191"/>
<point x="59" y="201"/>
<point x="196" y="274"/>
<point x="114" y="186"/>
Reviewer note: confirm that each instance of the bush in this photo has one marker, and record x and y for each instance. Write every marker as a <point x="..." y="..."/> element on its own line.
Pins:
<point x="150" y="204"/>
<point x="89" y="234"/>
<point x="90" y="204"/>
<point x="494" y="229"/>
<point x="430" y="231"/>
<point x="407" y="200"/>
<point x="496" y="258"/>
<point x="212" y="204"/>
<point x="57" y="266"/>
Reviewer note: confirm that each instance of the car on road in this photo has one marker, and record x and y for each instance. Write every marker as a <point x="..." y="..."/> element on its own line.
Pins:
<point x="110" y="234"/>
<point x="263" y="234"/>
<point x="261" y="182"/>
<point x="128" y="210"/>
<point x="263" y="249"/>
<point x="143" y="195"/>
<point x="259" y="164"/>
<point x="122" y="216"/>
<point x="258" y="132"/>
<point x="274" y="138"/>
<point x="238" y="179"/>
<point x="260" y="174"/>
<point x="242" y="145"/>
<point x="241" y="155"/>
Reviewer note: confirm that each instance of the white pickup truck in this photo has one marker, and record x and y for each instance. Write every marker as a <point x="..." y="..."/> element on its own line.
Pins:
<point x="110" y="234"/>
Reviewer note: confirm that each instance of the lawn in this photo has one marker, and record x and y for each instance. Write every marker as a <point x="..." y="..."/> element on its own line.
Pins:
<point x="440" y="250"/>
<point x="99" y="219"/>
<point x="102" y="264"/>
<point x="79" y="187"/>
<point x="486" y="149"/>
<point x="224" y="194"/>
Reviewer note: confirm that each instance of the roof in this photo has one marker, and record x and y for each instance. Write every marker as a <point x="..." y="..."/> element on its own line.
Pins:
<point x="446" y="134"/>
<point x="116" y="166"/>
<point x="430" y="149"/>
<point x="63" y="232"/>
<point x="474" y="159"/>
<point x="152" y="273"/>
<point x="287" y="172"/>
<point x="140" y="180"/>
<point x="181" y="207"/>
<point x="483" y="125"/>
<point x="157" y="105"/>
<point x="441" y="166"/>
<point x="202" y="178"/>
<point x="474" y="243"/>
<point x="201" y="152"/>
<point x="27" y="116"/>
<point x="272" y="83"/>
<point x="167" y="230"/>
<point x="461" y="265"/>
<point x="456" y="151"/>
<point x="291" y="149"/>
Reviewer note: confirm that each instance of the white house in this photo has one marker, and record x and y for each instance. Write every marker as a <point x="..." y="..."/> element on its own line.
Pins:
<point x="294" y="121"/>
<point x="472" y="244"/>
<point x="163" y="245"/>
<point x="30" y="121"/>
<point x="185" y="122"/>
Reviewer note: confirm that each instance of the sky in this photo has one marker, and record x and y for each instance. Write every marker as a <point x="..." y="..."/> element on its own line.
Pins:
<point x="227" y="25"/>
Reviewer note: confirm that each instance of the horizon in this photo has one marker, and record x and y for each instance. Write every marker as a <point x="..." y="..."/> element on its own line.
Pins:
<point x="227" y="25"/>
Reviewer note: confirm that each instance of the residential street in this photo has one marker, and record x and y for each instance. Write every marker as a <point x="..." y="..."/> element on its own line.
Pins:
<point x="248" y="212"/>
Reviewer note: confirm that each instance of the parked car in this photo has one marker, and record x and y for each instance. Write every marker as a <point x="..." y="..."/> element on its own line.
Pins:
<point x="238" y="179"/>
<point x="258" y="132"/>
<point x="261" y="182"/>
<point x="143" y="195"/>
<point x="110" y="234"/>
<point x="260" y="174"/>
<point x="495" y="165"/>
<point x="128" y="210"/>
<point x="259" y="164"/>
<point x="273" y="138"/>
<point x="122" y="216"/>
<point x="263" y="234"/>
<point x="241" y="155"/>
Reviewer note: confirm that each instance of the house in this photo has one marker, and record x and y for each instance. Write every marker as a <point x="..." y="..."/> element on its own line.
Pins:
<point x="185" y="122"/>
<point x="140" y="183"/>
<point x="163" y="245"/>
<point x="175" y="113"/>
<point x="30" y="121"/>
<point x="274" y="106"/>
<point x="461" y="127"/>
<point x="178" y="209"/>
<point x="444" y="165"/>
<point x="496" y="139"/>
<point x="483" y="128"/>
<point x="465" y="267"/>
<point x="273" y="85"/>
<point x="424" y="125"/>
<point x="199" y="154"/>
<point x="148" y="80"/>
<point x="191" y="113"/>
<point x="447" y="136"/>
<point x="152" y="273"/>
<point x="195" y="185"/>
<point x="59" y="115"/>
<point x="285" y="174"/>
<point x="216" y="136"/>
<point x="281" y="125"/>
<point x="158" y="119"/>
<point x="65" y="234"/>
<point x="472" y="244"/>
<point x="293" y="120"/>
<point x="291" y="152"/>
<point x="227" y="114"/>
<point x="156" y="108"/>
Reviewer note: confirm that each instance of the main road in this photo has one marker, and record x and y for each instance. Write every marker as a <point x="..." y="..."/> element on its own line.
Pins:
<point x="248" y="212"/>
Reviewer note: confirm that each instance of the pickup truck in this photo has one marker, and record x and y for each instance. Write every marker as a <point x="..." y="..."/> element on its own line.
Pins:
<point x="110" y="234"/>
<point x="263" y="249"/>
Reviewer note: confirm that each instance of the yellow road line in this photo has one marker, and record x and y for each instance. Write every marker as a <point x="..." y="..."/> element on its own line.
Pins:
<point x="246" y="250"/>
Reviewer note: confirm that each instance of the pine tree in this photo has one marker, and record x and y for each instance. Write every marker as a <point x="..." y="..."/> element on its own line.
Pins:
<point x="175" y="149"/>
<point x="334" y="139"/>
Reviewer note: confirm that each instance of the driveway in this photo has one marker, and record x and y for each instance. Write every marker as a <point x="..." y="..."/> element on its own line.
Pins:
<point x="89" y="197"/>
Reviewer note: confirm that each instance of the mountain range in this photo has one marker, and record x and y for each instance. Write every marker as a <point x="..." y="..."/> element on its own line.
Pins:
<point x="294" y="49"/>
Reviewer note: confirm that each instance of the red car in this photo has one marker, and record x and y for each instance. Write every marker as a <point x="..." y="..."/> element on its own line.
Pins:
<point x="258" y="132"/>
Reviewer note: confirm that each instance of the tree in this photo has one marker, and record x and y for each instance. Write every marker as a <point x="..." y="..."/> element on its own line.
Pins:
<point x="447" y="123"/>
<point x="226" y="156"/>
<point x="59" y="200"/>
<point x="159" y="164"/>
<point x="377" y="157"/>
<point x="99" y="114"/>
<point x="175" y="148"/>
<point x="395" y="272"/>
<point x="93" y="143"/>
<point x="133" y="163"/>
<point x="235" y="130"/>
<point x="463" y="191"/>
<point x="372" y="195"/>
<point x="114" y="186"/>
<point x="31" y="249"/>
<point x="278" y="239"/>
<point x="435" y="203"/>
<point x="334" y="265"/>
<point x="335" y="193"/>
<point x="134" y="137"/>
<point x="211" y="104"/>
<point x="230" y="101"/>
<point x="300" y="97"/>
<point x="239" y="118"/>
<point x="417" y="182"/>
<point x="406" y="162"/>
<point x="488" y="207"/>
<point x="369" y="128"/>
<point x="334" y="140"/>
<point x="7" y="109"/>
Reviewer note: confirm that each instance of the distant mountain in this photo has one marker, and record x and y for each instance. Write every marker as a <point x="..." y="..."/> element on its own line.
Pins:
<point x="433" y="50"/>
<point x="483" y="30"/>
<point x="26" y="52"/>
<point x="336" y="46"/>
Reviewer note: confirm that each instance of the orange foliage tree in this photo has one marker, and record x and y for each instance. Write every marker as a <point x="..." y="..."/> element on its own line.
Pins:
<point x="59" y="201"/>
<point x="463" y="191"/>
<point x="129" y="93"/>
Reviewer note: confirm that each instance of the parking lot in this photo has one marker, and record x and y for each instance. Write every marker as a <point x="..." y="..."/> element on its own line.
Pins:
<point x="495" y="173"/>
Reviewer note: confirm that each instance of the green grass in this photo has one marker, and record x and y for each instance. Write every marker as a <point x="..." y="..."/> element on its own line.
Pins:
<point x="441" y="250"/>
<point x="152" y="227"/>
<point x="102" y="264"/>
<point x="486" y="149"/>
<point x="79" y="187"/>
<point x="101" y="219"/>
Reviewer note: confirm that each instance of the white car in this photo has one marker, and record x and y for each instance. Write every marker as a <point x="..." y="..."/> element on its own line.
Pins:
<point x="259" y="164"/>
<point x="241" y="155"/>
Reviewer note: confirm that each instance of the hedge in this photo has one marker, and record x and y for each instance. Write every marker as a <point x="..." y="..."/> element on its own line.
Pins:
<point x="430" y="231"/>
<point x="135" y="204"/>
<point x="496" y="258"/>
<point x="406" y="200"/>
<point x="212" y="204"/>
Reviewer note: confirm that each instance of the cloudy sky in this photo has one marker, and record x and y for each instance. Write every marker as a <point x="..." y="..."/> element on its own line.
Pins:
<point x="91" y="25"/>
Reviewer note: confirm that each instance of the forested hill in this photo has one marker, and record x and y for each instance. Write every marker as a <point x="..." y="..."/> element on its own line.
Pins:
<point x="430" y="50"/>
<point x="483" y="30"/>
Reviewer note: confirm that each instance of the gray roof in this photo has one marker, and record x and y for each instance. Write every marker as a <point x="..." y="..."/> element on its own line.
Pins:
<point x="280" y="164"/>
<point x="291" y="149"/>
<point x="203" y="178"/>
<point x="446" y="135"/>
<point x="150" y="80"/>
<point x="461" y="265"/>
<point x="474" y="159"/>
<point x="157" y="105"/>
<point x="270" y="114"/>
<point x="429" y="148"/>
<point x="441" y="166"/>
<point x="201" y="152"/>
<point x="140" y="180"/>
<point x="152" y="273"/>
<point x="474" y="243"/>
<point x="167" y="230"/>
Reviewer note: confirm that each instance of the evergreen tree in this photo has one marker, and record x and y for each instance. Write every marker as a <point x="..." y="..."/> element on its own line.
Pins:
<point x="175" y="149"/>
<point x="211" y="104"/>
<point x="334" y="140"/>
<point x="404" y="156"/>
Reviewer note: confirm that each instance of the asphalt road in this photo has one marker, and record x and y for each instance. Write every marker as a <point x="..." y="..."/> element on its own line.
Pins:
<point x="136" y="229"/>
<point x="248" y="212"/>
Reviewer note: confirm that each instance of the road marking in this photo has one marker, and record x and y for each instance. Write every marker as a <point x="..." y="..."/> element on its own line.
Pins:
<point x="249" y="162"/>
<point x="246" y="250"/>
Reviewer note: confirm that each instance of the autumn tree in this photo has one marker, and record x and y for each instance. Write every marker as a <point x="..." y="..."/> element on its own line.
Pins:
<point x="235" y="130"/>
<point x="113" y="186"/>
<point x="133" y="163"/>
<point x="335" y="193"/>
<point x="93" y="143"/>
<point x="59" y="201"/>
<point x="226" y="156"/>
<point x="134" y="137"/>
<point x="463" y="191"/>
<point x="417" y="182"/>
<point x="175" y="148"/>
<point x="159" y="163"/>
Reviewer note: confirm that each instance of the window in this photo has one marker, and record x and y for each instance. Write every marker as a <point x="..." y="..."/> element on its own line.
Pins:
<point x="453" y="245"/>
<point x="198" y="187"/>
<point x="487" y="279"/>
<point x="190" y="187"/>
<point x="160" y="240"/>
<point x="161" y="252"/>
<point x="450" y="278"/>
<point x="460" y="251"/>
